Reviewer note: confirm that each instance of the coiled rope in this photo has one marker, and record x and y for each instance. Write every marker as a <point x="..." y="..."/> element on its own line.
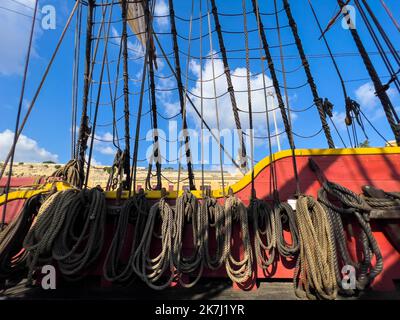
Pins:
<point x="134" y="211"/>
<point x="239" y="271"/>
<point x="12" y="255"/>
<point x="348" y="203"/>
<point x="70" y="173"/>
<point x="149" y="269"/>
<point x="314" y="275"/>
<point x="212" y="217"/>
<point x="39" y="240"/>
<point x="81" y="239"/>
<point x="264" y="233"/>
<point x="188" y="210"/>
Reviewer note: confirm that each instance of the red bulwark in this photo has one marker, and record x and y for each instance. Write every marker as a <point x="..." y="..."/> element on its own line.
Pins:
<point x="351" y="171"/>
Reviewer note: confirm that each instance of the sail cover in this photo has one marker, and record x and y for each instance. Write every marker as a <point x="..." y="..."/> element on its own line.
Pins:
<point x="136" y="20"/>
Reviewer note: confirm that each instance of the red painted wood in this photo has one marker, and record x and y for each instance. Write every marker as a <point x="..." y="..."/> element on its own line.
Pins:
<point x="351" y="171"/>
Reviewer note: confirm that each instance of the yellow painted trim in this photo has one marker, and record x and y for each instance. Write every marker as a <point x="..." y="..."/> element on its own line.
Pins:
<point x="27" y="193"/>
<point x="260" y="166"/>
<point x="244" y="182"/>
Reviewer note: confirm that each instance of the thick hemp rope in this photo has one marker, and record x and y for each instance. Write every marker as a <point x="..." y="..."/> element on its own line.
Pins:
<point x="81" y="239"/>
<point x="187" y="209"/>
<point x="12" y="255"/>
<point x="239" y="271"/>
<point x="284" y="215"/>
<point x="149" y="269"/>
<point x="264" y="233"/>
<point x="70" y="173"/>
<point x="341" y="202"/>
<point x="39" y="241"/>
<point x="314" y="275"/>
<point x="134" y="211"/>
<point x="212" y="218"/>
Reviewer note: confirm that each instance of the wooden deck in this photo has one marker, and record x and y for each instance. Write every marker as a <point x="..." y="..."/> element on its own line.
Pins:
<point x="213" y="290"/>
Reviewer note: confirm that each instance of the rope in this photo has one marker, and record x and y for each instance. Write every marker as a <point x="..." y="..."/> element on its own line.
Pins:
<point x="348" y="203"/>
<point x="149" y="269"/>
<point x="382" y="95"/>
<point x="239" y="271"/>
<point x="314" y="275"/>
<point x="390" y="14"/>
<point x="187" y="210"/>
<point x="126" y="185"/>
<point x="212" y="217"/>
<point x="310" y="79"/>
<point x="243" y="161"/>
<point x="84" y="130"/>
<point x="12" y="255"/>
<point x="17" y="120"/>
<point x="134" y="211"/>
<point x="284" y="214"/>
<point x="80" y="241"/>
<point x="181" y="94"/>
<point x="156" y="150"/>
<point x="70" y="173"/>
<point x="39" y="240"/>
<point x="264" y="233"/>
<point x="221" y="165"/>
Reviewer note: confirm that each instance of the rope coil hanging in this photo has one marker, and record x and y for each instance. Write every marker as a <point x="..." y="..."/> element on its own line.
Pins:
<point x="314" y="275"/>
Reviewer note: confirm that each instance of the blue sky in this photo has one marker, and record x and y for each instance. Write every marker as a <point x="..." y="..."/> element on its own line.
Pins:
<point x="48" y="133"/>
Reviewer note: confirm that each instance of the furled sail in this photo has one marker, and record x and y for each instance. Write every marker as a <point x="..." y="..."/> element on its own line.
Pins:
<point x="137" y="23"/>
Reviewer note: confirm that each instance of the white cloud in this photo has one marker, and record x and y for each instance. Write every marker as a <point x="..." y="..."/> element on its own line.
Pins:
<point x="224" y="103"/>
<point x="161" y="9"/>
<point x="366" y="96"/>
<point x="136" y="49"/>
<point x="103" y="144"/>
<point x="14" y="34"/>
<point x="28" y="150"/>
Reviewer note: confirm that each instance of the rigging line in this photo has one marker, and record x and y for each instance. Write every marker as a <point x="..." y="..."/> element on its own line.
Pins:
<point x="293" y="57"/>
<point x="242" y="151"/>
<point x="338" y="72"/>
<point x="221" y="165"/>
<point x="113" y="98"/>
<point x="273" y="178"/>
<point x="84" y="130"/>
<point x="17" y="120"/>
<point x="376" y="130"/>
<point x="276" y="108"/>
<point x="270" y="136"/>
<point x="382" y="95"/>
<point x="249" y="101"/>
<point x="310" y="79"/>
<point x="93" y="131"/>
<point x="238" y="91"/>
<point x="236" y="50"/>
<point x="182" y="99"/>
<point x="390" y="14"/>
<point x="39" y="87"/>
<point x="337" y="132"/>
<point x="75" y="80"/>
<point x="170" y="117"/>
<point x="222" y="14"/>
<point x="382" y="32"/>
<point x="196" y="110"/>
<point x="126" y="165"/>
<point x="378" y="44"/>
<point x="156" y="150"/>
<point x="275" y="82"/>
<point x="308" y="136"/>
<point x="202" y="101"/>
